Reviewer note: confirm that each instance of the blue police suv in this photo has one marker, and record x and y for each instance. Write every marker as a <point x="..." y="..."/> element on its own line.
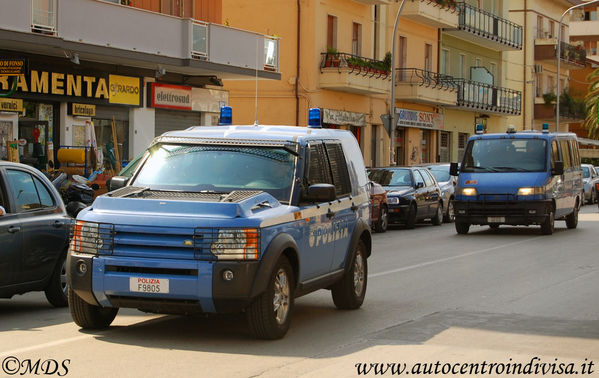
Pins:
<point x="226" y="219"/>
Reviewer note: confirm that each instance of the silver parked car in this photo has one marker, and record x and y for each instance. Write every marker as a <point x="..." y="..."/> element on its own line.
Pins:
<point x="447" y="184"/>
<point x="589" y="178"/>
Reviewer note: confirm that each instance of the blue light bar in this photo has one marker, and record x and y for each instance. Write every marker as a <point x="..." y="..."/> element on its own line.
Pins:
<point x="545" y="127"/>
<point x="479" y="128"/>
<point x="314" y="118"/>
<point x="226" y="116"/>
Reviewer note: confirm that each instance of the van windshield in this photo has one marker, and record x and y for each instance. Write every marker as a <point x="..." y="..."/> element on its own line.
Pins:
<point x="221" y="169"/>
<point x="505" y="155"/>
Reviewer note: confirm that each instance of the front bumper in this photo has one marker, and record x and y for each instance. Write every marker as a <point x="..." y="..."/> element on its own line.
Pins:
<point x="194" y="286"/>
<point x="502" y="212"/>
<point x="398" y="213"/>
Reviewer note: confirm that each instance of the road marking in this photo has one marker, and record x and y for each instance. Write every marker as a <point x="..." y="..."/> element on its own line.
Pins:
<point x="41" y="346"/>
<point x="410" y="267"/>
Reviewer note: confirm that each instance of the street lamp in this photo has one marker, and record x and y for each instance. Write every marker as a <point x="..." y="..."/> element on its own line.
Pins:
<point x="392" y="99"/>
<point x="558" y="53"/>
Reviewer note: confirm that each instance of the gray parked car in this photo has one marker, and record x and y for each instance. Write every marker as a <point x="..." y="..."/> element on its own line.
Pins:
<point x="447" y="184"/>
<point x="589" y="178"/>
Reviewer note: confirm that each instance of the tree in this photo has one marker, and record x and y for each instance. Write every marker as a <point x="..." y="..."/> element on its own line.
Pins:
<point x="591" y="122"/>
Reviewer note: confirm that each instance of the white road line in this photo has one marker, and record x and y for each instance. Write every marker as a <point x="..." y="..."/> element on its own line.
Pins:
<point x="410" y="267"/>
<point x="42" y="346"/>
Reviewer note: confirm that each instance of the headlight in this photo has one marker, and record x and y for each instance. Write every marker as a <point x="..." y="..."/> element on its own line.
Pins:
<point x="530" y="191"/>
<point x="467" y="191"/>
<point x="90" y="237"/>
<point x="393" y="200"/>
<point x="236" y="244"/>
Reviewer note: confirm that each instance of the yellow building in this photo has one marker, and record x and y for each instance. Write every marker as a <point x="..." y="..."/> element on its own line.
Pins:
<point x="333" y="58"/>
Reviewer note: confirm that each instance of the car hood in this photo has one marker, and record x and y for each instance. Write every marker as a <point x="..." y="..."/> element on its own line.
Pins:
<point x="398" y="190"/>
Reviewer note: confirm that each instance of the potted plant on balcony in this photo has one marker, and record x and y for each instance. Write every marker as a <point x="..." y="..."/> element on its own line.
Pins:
<point x="332" y="59"/>
<point x="387" y="62"/>
<point x="549" y="98"/>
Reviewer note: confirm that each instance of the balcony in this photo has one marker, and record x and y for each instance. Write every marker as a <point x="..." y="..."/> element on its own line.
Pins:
<point x="432" y="13"/>
<point x="485" y="29"/>
<point x="425" y="87"/>
<point x="487" y="98"/>
<point x="573" y="57"/>
<point x="584" y="28"/>
<point x="137" y="38"/>
<point x="546" y="113"/>
<point x="354" y="74"/>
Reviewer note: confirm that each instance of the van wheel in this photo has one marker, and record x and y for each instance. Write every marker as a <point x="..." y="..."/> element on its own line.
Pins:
<point x="383" y="223"/>
<point x="56" y="291"/>
<point x="89" y="316"/>
<point x="462" y="228"/>
<point x="411" y="221"/>
<point x="269" y="315"/>
<point x="548" y="225"/>
<point x="438" y="218"/>
<point x="572" y="218"/>
<point x="349" y="292"/>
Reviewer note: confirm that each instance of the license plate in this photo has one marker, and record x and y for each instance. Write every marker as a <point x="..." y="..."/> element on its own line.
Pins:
<point x="496" y="219"/>
<point x="148" y="285"/>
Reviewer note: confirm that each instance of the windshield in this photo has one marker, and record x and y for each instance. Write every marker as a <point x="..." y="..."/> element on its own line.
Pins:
<point x="586" y="172"/>
<point x="441" y="173"/>
<point x="505" y="155"/>
<point x="391" y="177"/>
<point x="222" y="169"/>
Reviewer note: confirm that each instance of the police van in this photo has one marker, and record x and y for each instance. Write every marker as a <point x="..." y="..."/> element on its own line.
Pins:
<point x="519" y="178"/>
<point x="227" y="219"/>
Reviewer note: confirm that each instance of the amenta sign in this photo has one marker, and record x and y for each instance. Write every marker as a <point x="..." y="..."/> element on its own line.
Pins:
<point x="11" y="105"/>
<point x="421" y="120"/>
<point x="12" y="67"/>
<point x="112" y="89"/>
<point x="84" y="110"/>
<point x="169" y="96"/>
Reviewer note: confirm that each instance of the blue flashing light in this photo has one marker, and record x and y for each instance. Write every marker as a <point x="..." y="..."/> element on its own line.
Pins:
<point x="314" y="118"/>
<point x="226" y="116"/>
<point x="479" y="128"/>
<point x="545" y="127"/>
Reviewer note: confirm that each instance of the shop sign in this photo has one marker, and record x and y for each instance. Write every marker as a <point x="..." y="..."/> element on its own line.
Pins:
<point x="208" y="100"/>
<point x="11" y="105"/>
<point x="170" y="96"/>
<point x="421" y="120"/>
<point x="84" y="110"/>
<point x="12" y="67"/>
<point x="102" y="88"/>
<point x="342" y="117"/>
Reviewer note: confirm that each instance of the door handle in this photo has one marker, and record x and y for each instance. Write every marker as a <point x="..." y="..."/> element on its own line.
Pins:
<point x="13" y="229"/>
<point x="58" y="224"/>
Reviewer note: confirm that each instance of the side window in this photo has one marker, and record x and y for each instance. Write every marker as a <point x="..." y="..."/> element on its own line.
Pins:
<point x="45" y="196"/>
<point x="339" y="170"/>
<point x="575" y="153"/>
<point x="418" y="178"/>
<point x="318" y="170"/>
<point x="427" y="178"/>
<point x="554" y="153"/>
<point x="565" y="153"/>
<point x="24" y="190"/>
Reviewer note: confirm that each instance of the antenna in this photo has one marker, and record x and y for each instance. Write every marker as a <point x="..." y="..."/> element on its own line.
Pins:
<point x="256" y="95"/>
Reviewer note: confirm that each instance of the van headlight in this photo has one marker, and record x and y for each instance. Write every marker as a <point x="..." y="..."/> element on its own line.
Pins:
<point x="467" y="191"/>
<point x="530" y="191"/>
<point x="236" y="244"/>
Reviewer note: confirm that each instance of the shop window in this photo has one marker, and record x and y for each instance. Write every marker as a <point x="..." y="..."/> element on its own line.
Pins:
<point x="103" y="129"/>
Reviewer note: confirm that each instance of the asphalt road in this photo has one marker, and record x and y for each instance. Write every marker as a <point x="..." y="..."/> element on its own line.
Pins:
<point x="504" y="297"/>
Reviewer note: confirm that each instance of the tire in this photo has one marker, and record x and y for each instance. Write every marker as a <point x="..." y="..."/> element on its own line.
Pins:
<point x="462" y="227"/>
<point x="450" y="214"/>
<point x="383" y="223"/>
<point x="265" y="319"/>
<point x="437" y="219"/>
<point x="411" y="221"/>
<point x="572" y="218"/>
<point x="88" y="316"/>
<point x="349" y="292"/>
<point x="593" y="197"/>
<point x="548" y="225"/>
<point x="57" y="289"/>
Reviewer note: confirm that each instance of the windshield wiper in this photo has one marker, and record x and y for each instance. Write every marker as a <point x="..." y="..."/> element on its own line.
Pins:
<point x="512" y="169"/>
<point x="473" y="168"/>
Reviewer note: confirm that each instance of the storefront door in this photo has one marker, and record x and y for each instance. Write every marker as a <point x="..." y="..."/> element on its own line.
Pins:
<point x="33" y="136"/>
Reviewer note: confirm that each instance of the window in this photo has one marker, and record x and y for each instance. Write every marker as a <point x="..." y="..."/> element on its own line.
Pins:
<point x="444" y="62"/>
<point x="331" y="32"/>
<point x="318" y="169"/>
<point x="539" y="85"/>
<point x="339" y="169"/>
<point x="477" y="62"/>
<point x="418" y="178"/>
<point x="427" y="178"/>
<point x="550" y="84"/>
<point x="539" y="27"/>
<point x="575" y="153"/>
<point x="356" y="43"/>
<point x="462" y="138"/>
<point x="551" y="29"/>
<point x="566" y="154"/>
<point x="403" y="51"/>
<point x="29" y="192"/>
<point x="428" y="57"/>
<point x="563" y="32"/>
<point x="43" y="16"/>
<point x="554" y="154"/>
<point x="493" y="70"/>
<point x="462" y="67"/>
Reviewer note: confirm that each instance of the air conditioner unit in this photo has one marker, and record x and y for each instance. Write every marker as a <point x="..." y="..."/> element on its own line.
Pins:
<point x="538" y="68"/>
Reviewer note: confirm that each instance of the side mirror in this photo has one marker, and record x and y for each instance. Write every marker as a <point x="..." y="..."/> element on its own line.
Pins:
<point x="2" y="211"/>
<point x="453" y="169"/>
<point x="320" y="193"/>
<point x="419" y="185"/>
<point x="118" y="182"/>
<point x="558" y="168"/>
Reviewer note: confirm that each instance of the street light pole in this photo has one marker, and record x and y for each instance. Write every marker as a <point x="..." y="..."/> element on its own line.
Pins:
<point x="558" y="53"/>
<point x="392" y="99"/>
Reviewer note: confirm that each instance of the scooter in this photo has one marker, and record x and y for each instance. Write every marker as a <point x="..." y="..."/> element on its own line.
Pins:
<point x="76" y="196"/>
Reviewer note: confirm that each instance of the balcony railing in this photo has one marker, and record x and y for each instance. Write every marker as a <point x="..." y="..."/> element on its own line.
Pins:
<point x="358" y="65"/>
<point x="426" y="87"/>
<point x="572" y="53"/>
<point x="425" y="78"/>
<point x="485" y="97"/>
<point x="490" y="26"/>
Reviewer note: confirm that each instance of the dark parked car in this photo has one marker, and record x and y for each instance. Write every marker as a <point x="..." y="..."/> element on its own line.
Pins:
<point x="413" y="194"/>
<point x="34" y="233"/>
<point x="379" y="208"/>
<point x="447" y="184"/>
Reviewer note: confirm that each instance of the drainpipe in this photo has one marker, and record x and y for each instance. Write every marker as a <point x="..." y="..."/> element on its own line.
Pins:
<point x="297" y="67"/>
<point x="524" y="102"/>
